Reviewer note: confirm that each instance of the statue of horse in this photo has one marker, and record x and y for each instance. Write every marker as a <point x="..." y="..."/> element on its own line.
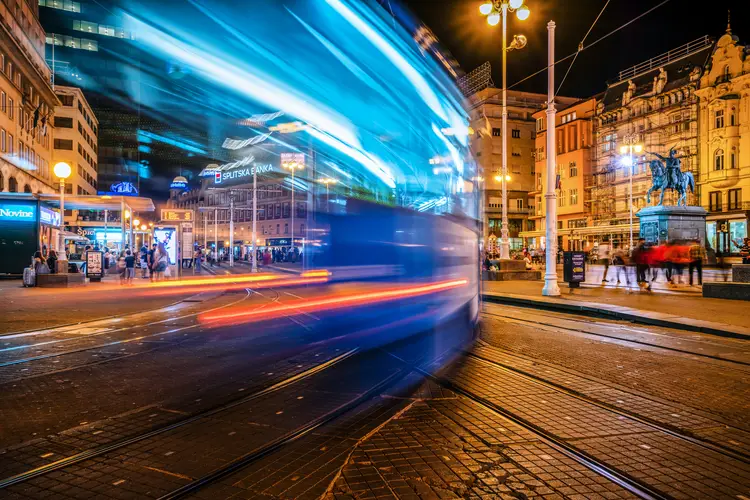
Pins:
<point x="660" y="180"/>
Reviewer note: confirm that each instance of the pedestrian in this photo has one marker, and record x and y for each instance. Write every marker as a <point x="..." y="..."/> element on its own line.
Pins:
<point x="143" y="258"/>
<point x="604" y="259"/>
<point x="745" y="251"/>
<point x="678" y="255"/>
<point x="619" y="260"/>
<point x="52" y="261"/>
<point x="129" y="267"/>
<point x="121" y="268"/>
<point x="697" y="255"/>
<point x="152" y="261"/>
<point x="640" y="259"/>
<point x="198" y="260"/>
<point x="162" y="261"/>
<point x="40" y="264"/>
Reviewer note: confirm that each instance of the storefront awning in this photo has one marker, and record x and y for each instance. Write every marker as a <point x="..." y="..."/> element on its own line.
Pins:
<point x="73" y="236"/>
<point x="90" y="202"/>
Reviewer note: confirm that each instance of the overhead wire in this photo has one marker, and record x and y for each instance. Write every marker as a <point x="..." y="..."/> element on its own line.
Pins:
<point x="591" y="44"/>
<point x="580" y="48"/>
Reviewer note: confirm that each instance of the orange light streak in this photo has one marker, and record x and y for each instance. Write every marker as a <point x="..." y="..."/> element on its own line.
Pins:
<point x="336" y="302"/>
<point x="233" y="286"/>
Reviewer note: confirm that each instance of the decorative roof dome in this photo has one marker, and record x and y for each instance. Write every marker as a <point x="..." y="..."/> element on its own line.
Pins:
<point x="180" y="178"/>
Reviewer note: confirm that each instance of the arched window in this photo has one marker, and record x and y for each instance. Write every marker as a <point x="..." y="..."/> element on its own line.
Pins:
<point x="27" y="189"/>
<point x="733" y="158"/>
<point x="12" y="185"/>
<point x="2" y="182"/>
<point x="732" y="117"/>
<point x="719" y="159"/>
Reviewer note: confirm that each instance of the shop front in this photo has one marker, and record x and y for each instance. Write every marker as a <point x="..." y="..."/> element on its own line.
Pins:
<point x="725" y="234"/>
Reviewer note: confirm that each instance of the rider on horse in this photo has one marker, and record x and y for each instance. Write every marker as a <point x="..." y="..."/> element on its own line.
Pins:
<point x="672" y="164"/>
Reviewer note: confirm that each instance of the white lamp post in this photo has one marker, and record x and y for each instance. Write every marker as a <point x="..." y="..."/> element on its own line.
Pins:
<point x="328" y="181"/>
<point x="62" y="170"/>
<point x="497" y="11"/>
<point x="630" y="145"/>
<point x="551" y="288"/>
<point x="292" y="166"/>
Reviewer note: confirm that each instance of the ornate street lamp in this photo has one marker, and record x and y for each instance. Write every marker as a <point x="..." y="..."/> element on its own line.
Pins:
<point x="630" y="145"/>
<point x="497" y="11"/>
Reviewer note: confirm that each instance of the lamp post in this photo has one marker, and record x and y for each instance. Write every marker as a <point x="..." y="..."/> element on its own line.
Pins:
<point x="328" y="181"/>
<point x="255" y="218"/>
<point x="292" y="166"/>
<point x="231" y="228"/>
<point x="62" y="170"/>
<point x="630" y="145"/>
<point x="551" y="288"/>
<point x="497" y="11"/>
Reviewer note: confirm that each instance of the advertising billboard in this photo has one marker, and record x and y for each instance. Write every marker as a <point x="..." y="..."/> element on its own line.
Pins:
<point x="19" y="233"/>
<point x="168" y="237"/>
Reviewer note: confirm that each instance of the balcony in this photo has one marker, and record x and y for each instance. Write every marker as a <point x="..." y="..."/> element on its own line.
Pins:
<point x="511" y="210"/>
<point x="725" y="178"/>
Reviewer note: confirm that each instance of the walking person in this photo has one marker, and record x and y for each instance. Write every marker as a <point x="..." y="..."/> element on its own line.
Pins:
<point x="143" y="261"/>
<point x="745" y="251"/>
<point x="619" y="261"/>
<point x="604" y="259"/>
<point x="152" y="261"/>
<point x="697" y="255"/>
<point x="129" y="267"/>
<point x="640" y="259"/>
<point x="162" y="262"/>
<point x="198" y="260"/>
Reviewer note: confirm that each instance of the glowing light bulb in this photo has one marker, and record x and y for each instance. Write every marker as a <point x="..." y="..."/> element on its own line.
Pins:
<point x="485" y="9"/>
<point x="493" y="19"/>
<point x="523" y="13"/>
<point x="514" y="4"/>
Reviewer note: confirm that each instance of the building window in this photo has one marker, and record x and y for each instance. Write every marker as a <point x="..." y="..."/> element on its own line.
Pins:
<point x="573" y="137"/>
<point x="573" y="169"/>
<point x="719" y="118"/>
<point x="286" y="228"/>
<point x="714" y="201"/>
<point x="3" y="103"/>
<point x="63" y="122"/>
<point x="515" y="133"/>
<point x="11" y="111"/>
<point x="516" y="151"/>
<point x="519" y="203"/>
<point x="734" y="199"/>
<point x="574" y="196"/>
<point x="496" y="132"/>
<point x="12" y="185"/>
<point x="732" y="118"/>
<point x="719" y="159"/>
<point x="66" y="144"/>
<point x="540" y="124"/>
<point x="2" y="141"/>
<point x="515" y="168"/>
<point x="68" y="5"/>
<point x="278" y="226"/>
<point x="733" y="159"/>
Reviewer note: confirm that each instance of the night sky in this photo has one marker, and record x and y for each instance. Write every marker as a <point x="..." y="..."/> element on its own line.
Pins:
<point x="464" y="32"/>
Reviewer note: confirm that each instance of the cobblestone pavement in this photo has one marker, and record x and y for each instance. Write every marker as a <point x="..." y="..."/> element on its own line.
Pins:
<point x="521" y="413"/>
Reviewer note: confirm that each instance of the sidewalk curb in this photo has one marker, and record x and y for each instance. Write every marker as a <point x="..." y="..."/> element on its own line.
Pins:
<point x="619" y="312"/>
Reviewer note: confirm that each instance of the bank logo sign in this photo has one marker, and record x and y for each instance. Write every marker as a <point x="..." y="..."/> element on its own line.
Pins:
<point x="17" y="213"/>
<point x="241" y="173"/>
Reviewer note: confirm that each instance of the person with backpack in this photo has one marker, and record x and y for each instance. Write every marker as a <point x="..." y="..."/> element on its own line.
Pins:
<point x="129" y="267"/>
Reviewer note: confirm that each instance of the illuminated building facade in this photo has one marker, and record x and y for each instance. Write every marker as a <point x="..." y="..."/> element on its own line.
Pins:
<point x="26" y="101"/>
<point x="725" y="144"/>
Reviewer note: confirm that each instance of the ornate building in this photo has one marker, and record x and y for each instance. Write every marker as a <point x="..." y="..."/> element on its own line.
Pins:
<point x="26" y="101"/>
<point x="574" y="129"/>
<point x="655" y="103"/>
<point x="725" y="143"/>
<point x="486" y="119"/>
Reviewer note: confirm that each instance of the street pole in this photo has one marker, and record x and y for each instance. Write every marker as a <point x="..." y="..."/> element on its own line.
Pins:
<point x="231" y="229"/>
<point x="216" y="233"/>
<point x="131" y="237"/>
<point x="292" y="249"/>
<point x="106" y="213"/>
<point x="504" y="244"/>
<point x="255" y="218"/>
<point x="550" y="274"/>
<point x="630" y="197"/>
<point x="205" y="230"/>
<point x="61" y="243"/>
<point x="122" y="224"/>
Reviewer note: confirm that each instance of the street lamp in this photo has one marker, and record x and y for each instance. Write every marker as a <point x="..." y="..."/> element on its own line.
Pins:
<point x="630" y="145"/>
<point x="292" y="166"/>
<point x="62" y="171"/>
<point x="497" y="11"/>
<point x="499" y="178"/>
<point x="327" y="181"/>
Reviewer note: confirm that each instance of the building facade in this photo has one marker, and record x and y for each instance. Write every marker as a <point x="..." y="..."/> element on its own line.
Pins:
<point x="486" y="145"/>
<point x="26" y="101"/>
<point x="725" y="144"/>
<point x="654" y="103"/>
<point x="574" y="139"/>
<point x="75" y="140"/>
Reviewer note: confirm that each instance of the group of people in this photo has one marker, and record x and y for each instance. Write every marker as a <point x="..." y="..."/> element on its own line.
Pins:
<point x="648" y="260"/>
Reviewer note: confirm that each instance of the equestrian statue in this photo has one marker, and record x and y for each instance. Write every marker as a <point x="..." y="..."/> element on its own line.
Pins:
<point x="666" y="173"/>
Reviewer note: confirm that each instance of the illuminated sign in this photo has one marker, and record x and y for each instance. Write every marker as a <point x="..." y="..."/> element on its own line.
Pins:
<point x="124" y="188"/>
<point x="166" y="236"/>
<point x="178" y="185"/>
<point x="298" y="158"/>
<point x="209" y="170"/>
<point x="241" y="173"/>
<point x="176" y="215"/>
<point x="50" y="217"/>
<point x="15" y="212"/>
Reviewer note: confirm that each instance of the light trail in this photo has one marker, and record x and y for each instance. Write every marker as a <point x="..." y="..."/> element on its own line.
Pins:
<point x="337" y="301"/>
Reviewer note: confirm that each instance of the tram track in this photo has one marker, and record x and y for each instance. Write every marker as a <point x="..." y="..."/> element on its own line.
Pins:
<point x="560" y="388"/>
<point x="216" y="410"/>
<point x="622" y="479"/>
<point x="617" y="338"/>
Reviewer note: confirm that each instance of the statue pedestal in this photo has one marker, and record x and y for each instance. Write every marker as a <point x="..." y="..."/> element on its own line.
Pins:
<point x="661" y="224"/>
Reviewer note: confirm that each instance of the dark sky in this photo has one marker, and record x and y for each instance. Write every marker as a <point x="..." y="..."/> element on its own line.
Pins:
<point x="465" y="33"/>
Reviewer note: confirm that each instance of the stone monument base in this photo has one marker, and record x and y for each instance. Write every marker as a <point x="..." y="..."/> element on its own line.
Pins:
<point x="735" y="291"/>
<point x="510" y="269"/>
<point x="661" y="224"/>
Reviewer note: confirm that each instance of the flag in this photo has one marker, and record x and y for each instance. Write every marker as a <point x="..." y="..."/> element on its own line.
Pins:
<point x="44" y="125"/>
<point x="558" y="182"/>
<point x="36" y="116"/>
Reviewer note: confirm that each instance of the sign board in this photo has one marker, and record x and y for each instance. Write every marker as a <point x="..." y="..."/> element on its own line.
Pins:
<point x="121" y="189"/>
<point x="16" y="212"/>
<point x="283" y="242"/>
<point x="187" y="241"/>
<point x="298" y="158"/>
<point x="49" y="217"/>
<point x="574" y="268"/>
<point x="178" y="185"/>
<point x="176" y="215"/>
<point x="168" y="237"/>
<point x="94" y="264"/>
<point x="242" y="174"/>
